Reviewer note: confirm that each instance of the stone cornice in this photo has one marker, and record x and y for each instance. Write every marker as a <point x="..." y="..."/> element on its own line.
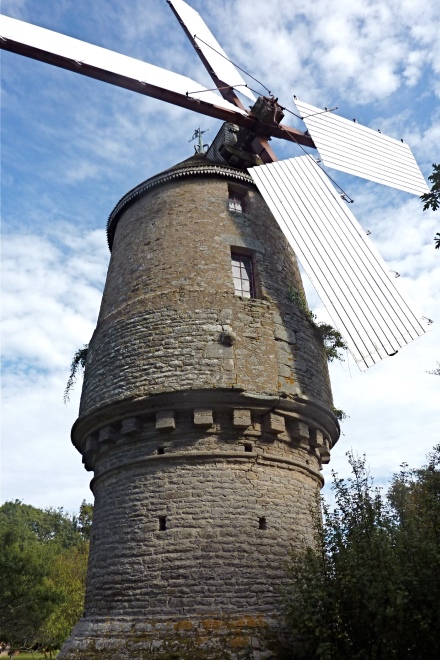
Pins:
<point x="295" y="421"/>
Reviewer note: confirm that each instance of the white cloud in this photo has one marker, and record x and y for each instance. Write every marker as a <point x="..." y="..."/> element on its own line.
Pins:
<point x="73" y="146"/>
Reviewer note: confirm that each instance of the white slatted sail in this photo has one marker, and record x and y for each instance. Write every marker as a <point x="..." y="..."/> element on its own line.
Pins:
<point x="347" y="271"/>
<point x="223" y="69"/>
<point x="350" y="147"/>
<point x="113" y="64"/>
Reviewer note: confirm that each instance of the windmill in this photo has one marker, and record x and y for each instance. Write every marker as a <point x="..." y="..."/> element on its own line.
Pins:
<point x="350" y="276"/>
<point x="216" y="435"/>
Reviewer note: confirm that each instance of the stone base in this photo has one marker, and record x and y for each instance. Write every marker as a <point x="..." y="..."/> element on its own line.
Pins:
<point x="240" y="638"/>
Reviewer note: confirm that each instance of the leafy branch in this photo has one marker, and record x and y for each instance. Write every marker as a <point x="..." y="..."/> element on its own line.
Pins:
<point x="331" y="338"/>
<point x="78" y="362"/>
<point x="339" y="414"/>
<point x="432" y="198"/>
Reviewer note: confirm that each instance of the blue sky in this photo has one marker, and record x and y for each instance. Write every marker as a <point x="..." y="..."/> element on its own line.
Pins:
<point x="71" y="147"/>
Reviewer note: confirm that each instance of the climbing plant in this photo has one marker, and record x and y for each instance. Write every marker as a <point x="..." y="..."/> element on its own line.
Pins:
<point x="78" y="362"/>
<point x="339" y="414"/>
<point x="332" y="338"/>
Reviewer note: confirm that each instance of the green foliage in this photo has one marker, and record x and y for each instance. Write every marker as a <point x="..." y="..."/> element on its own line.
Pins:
<point x="432" y="199"/>
<point x="369" y="588"/>
<point x="43" y="561"/>
<point x="26" y="595"/>
<point x="84" y="520"/>
<point x="331" y="338"/>
<point x="339" y="414"/>
<point x="78" y="362"/>
<point x="68" y="577"/>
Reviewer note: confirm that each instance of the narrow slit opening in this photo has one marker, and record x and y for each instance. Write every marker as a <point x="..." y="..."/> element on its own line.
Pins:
<point x="262" y="524"/>
<point x="162" y="523"/>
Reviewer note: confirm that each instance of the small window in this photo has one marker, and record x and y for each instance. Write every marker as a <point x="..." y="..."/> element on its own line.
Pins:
<point x="162" y="523"/>
<point x="236" y="201"/>
<point x="243" y="274"/>
<point x="262" y="524"/>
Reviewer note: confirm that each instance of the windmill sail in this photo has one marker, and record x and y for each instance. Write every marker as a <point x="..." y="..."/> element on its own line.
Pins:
<point x="350" y="147"/>
<point x="96" y="62"/>
<point x="347" y="271"/>
<point x="102" y="64"/>
<point x="221" y="69"/>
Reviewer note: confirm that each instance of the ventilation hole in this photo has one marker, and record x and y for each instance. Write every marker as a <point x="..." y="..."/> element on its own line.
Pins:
<point x="262" y="524"/>
<point x="248" y="447"/>
<point x="162" y="523"/>
<point x="161" y="450"/>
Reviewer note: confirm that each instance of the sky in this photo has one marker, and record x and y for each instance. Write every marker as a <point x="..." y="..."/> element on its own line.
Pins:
<point x="71" y="147"/>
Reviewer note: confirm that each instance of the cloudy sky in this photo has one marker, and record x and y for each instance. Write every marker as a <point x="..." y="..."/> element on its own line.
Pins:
<point x="72" y="146"/>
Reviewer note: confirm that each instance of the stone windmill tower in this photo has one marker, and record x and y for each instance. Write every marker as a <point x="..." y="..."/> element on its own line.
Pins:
<point x="205" y="417"/>
<point x="206" y="408"/>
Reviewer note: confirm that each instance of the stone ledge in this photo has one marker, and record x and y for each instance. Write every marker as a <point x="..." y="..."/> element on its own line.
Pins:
<point x="296" y="422"/>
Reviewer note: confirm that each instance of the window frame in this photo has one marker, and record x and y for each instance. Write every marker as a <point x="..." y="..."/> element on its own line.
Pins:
<point x="236" y="200"/>
<point x="244" y="257"/>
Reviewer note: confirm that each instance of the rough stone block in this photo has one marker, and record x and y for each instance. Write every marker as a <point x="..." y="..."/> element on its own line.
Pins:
<point x="319" y="441"/>
<point x="284" y="370"/>
<point x="90" y="451"/>
<point x="165" y="420"/>
<point x="316" y="438"/>
<point x="300" y="433"/>
<point x="284" y="334"/>
<point x="216" y="350"/>
<point x="131" y="426"/>
<point x="275" y="423"/>
<point x="203" y="417"/>
<point x="242" y="418"/>
<point x="225" y="316"/>
<point x="108" y="434"/>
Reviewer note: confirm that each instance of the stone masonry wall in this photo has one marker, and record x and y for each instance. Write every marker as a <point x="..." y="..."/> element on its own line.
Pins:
<point x="169" y="301"/>
<point x="205" y="418"/>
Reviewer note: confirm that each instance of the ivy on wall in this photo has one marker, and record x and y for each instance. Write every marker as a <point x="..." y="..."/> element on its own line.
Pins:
<point x="331" y="338"/>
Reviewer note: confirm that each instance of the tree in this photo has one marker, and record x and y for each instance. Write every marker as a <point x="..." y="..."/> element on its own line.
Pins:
<point x="432" y="199"/>
<point x="68" y="577"/>
<point x="48" y="525"/>
<point x="84" y="520"/>
<point x="369" y="589"/>
<point x="26" y="595"/>
<point x="43" y="561"/>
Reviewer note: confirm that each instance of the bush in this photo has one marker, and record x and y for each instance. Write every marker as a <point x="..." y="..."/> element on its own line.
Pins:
<point x="370" y="587"/>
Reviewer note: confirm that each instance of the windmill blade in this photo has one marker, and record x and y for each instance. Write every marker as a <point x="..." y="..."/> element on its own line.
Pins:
<point x="347" y="271"/>
<point x="220" y="68"/>
<point x="96" y="62"/>
<point x="350" y="147"/>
